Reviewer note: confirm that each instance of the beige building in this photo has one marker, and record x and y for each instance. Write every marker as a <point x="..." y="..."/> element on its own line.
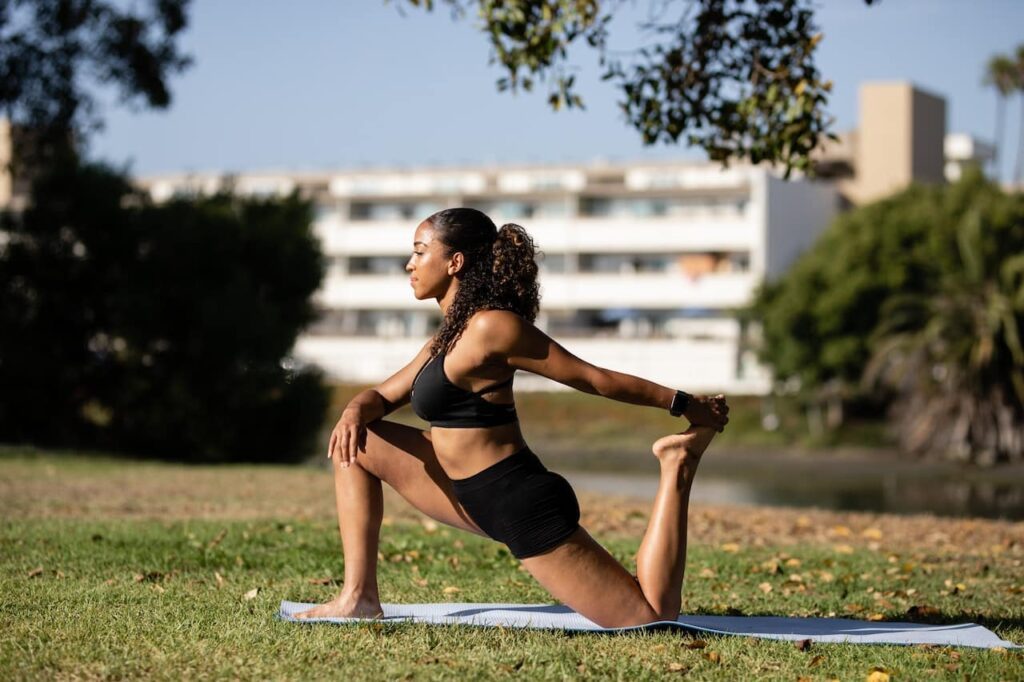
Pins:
<point x="900" y="139"/>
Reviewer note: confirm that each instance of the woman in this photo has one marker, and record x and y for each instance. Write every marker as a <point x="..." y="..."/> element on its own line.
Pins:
<point x="472" y="469"/>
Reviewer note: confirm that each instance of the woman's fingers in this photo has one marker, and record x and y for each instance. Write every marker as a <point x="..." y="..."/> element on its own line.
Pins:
<point x="330" y="444"/>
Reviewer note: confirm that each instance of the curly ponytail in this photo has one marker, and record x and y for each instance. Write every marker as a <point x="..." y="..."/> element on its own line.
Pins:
<point x="515" y="272"/>
<point x="500" y="271"/>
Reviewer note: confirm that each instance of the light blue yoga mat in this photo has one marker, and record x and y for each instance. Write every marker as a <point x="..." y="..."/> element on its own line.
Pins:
<point x="558" y="617"/>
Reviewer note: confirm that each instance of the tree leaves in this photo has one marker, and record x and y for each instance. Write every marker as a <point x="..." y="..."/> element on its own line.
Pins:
<point x="48" y="48"/>
<point x="735" y="78"/>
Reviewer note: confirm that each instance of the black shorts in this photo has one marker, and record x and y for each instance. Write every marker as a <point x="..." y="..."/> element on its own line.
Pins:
<point x="520" y="503"/>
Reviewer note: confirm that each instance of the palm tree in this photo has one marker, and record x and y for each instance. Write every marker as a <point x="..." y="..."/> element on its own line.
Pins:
<point x="955" y="357"/>
<point x="1001" y="74"/>
<point x="1019" y="78"/>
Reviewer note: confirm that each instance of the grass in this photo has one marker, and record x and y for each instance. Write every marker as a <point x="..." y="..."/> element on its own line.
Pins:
<point x="116" y="569"/>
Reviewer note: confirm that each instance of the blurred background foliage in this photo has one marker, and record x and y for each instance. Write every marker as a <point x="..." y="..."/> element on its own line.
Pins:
<point x="915" y="302"/>
<point x="157" y="329"/>
<point x="129" y="326"/>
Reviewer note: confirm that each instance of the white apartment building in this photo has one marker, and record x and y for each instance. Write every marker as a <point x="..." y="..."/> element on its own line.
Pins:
<point x="642" y="265"/>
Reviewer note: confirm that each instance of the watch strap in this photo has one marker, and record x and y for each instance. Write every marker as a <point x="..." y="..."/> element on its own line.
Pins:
<point x="680" y="401"/>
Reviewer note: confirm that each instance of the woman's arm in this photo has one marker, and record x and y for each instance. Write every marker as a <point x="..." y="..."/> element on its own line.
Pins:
<point x="372" y="404"/>
<point x="521" y="345"/>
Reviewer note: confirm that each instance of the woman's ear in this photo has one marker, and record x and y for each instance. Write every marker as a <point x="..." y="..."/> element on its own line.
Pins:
<point x="458" y="260"/>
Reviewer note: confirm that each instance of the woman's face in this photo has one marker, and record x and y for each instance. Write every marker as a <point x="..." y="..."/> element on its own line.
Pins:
<point x="430" y="272"/>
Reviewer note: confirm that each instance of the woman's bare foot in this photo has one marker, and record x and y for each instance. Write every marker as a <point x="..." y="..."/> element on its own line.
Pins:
<point x="685" y="447"/>
<point x="345" y="606"/>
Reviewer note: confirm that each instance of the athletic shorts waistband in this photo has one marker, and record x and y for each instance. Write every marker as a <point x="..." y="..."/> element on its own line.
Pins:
<point x="524" y="458"/>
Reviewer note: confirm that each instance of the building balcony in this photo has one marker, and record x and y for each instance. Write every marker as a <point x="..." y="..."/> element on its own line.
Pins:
<point x="562" y="291"/>
<point x="701" y="231"/>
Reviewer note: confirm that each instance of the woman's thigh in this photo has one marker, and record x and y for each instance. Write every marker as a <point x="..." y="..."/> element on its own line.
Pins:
<point x="581" y="574"/>
<point x="403" y="457"/>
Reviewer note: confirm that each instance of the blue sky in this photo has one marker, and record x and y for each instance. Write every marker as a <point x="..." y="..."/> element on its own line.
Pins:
<point x="312" y="84"/>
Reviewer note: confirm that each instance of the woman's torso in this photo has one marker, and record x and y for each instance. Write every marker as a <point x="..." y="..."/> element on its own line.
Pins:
<point x="464" y="451"/>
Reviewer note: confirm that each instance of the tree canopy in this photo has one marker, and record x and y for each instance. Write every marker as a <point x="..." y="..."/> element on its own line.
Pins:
<point x="736" y="78"/>
<point x="50" y="50"/>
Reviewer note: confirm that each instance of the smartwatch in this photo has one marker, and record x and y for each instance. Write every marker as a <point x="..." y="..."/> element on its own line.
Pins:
<point x="680" y="401"/>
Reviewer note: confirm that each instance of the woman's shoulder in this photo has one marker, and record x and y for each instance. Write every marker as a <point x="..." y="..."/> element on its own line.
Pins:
<point x="496" y="329"/>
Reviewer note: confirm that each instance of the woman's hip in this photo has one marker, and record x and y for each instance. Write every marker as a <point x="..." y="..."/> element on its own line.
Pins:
<point x="519" y="502"/>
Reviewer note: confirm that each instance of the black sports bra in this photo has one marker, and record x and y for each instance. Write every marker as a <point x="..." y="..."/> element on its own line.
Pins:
<point x="437" y="400"/>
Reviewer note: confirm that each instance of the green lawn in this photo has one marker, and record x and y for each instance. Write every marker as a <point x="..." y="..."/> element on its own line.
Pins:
<point x="96" y="583"/>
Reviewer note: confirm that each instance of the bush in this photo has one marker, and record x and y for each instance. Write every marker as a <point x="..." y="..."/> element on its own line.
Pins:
<point x="920" y="295"/>
<point x="157" y="329"/>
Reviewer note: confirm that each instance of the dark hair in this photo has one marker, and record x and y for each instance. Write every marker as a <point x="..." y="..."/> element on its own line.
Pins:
<point x="500" y="271"/>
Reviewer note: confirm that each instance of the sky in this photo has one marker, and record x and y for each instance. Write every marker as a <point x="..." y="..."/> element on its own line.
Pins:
<point x="321" y="84"/>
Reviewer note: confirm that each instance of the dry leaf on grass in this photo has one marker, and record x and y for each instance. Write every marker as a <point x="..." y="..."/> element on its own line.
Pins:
<point x="922" y="611"/>
<point x="251" y="594"/>
<point x="35" y="572"/>
<point x="802" y="644"/>
<point x="324" y="581"/>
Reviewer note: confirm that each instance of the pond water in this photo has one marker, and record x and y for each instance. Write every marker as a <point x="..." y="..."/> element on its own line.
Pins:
<point x="851" y="485"/>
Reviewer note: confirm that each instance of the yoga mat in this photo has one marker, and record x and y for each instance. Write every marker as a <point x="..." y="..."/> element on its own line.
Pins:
<point x="559" y="617"/>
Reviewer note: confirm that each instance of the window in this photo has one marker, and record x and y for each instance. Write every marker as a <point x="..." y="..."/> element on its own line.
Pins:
<point x="554" y="263"/>
<point x="376" y="265"/>
<point x="625" y="263"/>
<point x="392" y="210"/>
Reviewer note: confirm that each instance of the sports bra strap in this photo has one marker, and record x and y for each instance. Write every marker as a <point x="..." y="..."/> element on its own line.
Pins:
<point x="488" y="389"/>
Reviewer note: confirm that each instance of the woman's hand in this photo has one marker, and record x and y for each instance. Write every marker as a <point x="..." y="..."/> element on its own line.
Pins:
<point x="706" y="410"/>
<point x="348" y="435"/>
